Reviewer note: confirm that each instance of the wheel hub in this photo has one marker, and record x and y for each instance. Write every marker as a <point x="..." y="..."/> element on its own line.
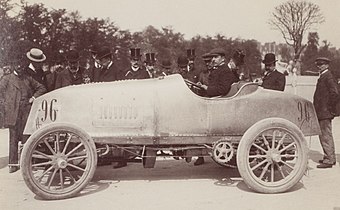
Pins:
<point x="60" y="161"/>
<point x="274" y="156"/>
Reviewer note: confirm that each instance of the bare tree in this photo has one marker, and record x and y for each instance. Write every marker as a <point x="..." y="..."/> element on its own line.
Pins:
<point x="294" y="19"/>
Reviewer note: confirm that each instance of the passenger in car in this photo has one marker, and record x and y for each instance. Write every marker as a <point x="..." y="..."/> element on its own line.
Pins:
<point x="221" y="77"/>
<point x="235" y="62"/>
<point x="272" y="79"/>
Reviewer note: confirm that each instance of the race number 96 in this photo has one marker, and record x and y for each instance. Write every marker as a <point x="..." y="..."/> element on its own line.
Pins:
<point x="48" y="112"/>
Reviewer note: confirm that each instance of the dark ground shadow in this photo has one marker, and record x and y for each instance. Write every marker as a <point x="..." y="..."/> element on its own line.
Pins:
<point x="165" y="170"/>
<point x="178" y="170"/>
<point x="3" y="162"/>
<point x="315" y="156"/>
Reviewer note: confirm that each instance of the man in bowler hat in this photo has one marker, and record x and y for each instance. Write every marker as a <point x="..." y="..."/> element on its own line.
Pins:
<point x="325" y="99"/>
<point x="165" y="68"/>
<point x="136" y="69"/>
<point x="73" y="74"/>
<point x="189" y="72"/>
<point x="17" y="92"/>
<point x="272" y="79"/>
<point x="107" y="70"/>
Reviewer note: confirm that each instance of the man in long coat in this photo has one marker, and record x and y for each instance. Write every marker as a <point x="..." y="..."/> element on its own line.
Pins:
<point x="324" y="100"/>
<point x="17" y="92"/>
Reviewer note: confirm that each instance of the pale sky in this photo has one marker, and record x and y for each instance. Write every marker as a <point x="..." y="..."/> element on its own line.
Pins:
<point x="246" y="19"/>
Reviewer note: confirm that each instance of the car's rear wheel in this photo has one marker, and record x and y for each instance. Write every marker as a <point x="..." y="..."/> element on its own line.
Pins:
<point x="58" y="161"/>
<point x="272" y="155"/>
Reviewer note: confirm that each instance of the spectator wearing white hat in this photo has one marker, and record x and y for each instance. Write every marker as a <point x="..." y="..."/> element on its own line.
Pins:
<point x="36" y="58"/>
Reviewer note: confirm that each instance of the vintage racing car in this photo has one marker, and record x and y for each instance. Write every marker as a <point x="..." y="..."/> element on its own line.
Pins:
<point x="71" y="127"/>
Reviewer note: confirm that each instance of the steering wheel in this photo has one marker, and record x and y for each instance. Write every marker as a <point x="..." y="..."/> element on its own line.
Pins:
<point x="193" y="85"/>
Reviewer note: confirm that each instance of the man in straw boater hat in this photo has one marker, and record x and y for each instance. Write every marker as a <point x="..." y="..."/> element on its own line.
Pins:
<point x="136" y="69"/>
<point x="34" y="69"/>
<point x="272" y="79"/>
<point x="17" y="92"/>
<point x="73" y="74"/>
<point x="326" y="97"/>
<point x="107" y="70"/>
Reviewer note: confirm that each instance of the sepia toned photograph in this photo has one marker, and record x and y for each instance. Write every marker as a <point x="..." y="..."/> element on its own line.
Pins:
<point x="169" y="104"/>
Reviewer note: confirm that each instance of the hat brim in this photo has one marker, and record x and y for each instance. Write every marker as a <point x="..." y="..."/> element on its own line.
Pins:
<point x="166" y="67"/>
<point x="103" y="56"/>
<point x="269" y="62"/>
<point x="216" y="54"/>
<point x="34" y="59"/>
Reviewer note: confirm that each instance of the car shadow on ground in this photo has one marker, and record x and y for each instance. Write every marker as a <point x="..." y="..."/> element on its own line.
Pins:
<point x="177" y="170"/>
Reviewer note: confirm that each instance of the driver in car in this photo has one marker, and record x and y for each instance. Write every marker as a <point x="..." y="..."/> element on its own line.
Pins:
<point x="221" y="77"/>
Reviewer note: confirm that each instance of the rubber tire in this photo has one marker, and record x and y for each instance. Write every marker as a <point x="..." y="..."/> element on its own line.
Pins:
<point x="27" y="155"/>
<point x="246" y="142"/>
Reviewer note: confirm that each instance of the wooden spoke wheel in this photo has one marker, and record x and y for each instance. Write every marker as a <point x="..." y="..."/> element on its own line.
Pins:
<point x="58" y="161"/>
<point x="272" y="156"/>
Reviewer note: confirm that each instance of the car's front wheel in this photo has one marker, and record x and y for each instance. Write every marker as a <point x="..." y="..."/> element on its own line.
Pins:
<point x="272" y="155"/>
<point x="58" y="161"/>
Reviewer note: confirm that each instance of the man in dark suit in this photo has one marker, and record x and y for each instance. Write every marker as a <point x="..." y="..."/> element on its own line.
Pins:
<point x="73" y="74"/>
<point x="17" y="92"/>
<point x="34" y="69"/>
<point x="324" y="100"/>
<point x="186" y="66"/>
<point x="221" y="77"/>
<point x="136" y="69"/>
<point x="272" y="79"/>
<point x="107" y="70"/>
<point x="150" y="62"/>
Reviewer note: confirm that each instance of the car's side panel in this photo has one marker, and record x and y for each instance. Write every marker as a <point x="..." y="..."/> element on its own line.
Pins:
<point x="100" y="109"/>
<point x="165" y="107"/>
<point x="179" y="111"/>
<point x="233" y="116"/>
